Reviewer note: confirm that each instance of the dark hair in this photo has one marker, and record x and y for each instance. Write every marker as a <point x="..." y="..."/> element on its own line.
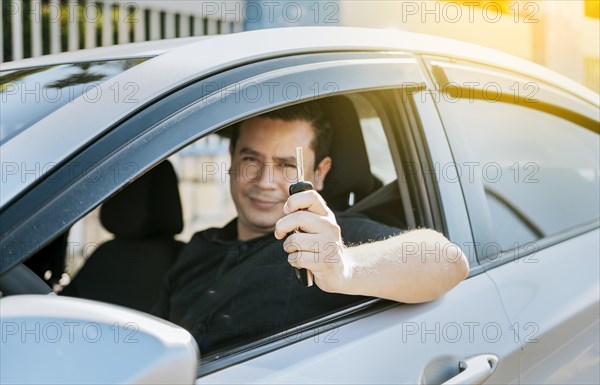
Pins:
<point x="310" y="112"/>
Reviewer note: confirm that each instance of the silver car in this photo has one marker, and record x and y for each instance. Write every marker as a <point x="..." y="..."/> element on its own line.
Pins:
<point x="499" y="154"/>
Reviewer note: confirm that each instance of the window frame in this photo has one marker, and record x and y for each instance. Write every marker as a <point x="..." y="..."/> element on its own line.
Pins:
<point x="431" y="148"/>
<point x="549" y="100"/>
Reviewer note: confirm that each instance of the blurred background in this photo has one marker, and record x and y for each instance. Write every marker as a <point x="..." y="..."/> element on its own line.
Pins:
<point x="563" y="35"/>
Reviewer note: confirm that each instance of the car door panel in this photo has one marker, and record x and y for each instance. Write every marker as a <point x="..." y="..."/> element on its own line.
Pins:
<point x="548" y="280"/>
<point x="552" y="301"/>
<point x="394" y="346"/>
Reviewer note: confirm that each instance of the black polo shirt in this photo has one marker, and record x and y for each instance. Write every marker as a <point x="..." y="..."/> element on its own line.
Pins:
<point x="225" y="291"/>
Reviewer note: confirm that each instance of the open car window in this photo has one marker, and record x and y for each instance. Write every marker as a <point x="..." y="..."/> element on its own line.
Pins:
<point x="117" y="255"/>
<point x="120" y="230"/>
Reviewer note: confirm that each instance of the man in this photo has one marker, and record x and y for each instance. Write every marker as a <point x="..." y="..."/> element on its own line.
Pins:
<point x="236" y="283"/>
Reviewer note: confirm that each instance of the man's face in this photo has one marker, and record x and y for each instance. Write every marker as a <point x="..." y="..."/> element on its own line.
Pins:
<point x="263" y="166"/>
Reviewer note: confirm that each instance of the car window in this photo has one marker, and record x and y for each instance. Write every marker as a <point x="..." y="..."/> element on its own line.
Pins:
<point x="539" y="171"/>
<point x="30" y="94"/>
<point x="202" y="171"/>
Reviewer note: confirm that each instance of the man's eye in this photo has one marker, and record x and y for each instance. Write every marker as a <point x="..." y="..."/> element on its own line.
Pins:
<point x="249" y="159"/>
<point x="283" y="165"/>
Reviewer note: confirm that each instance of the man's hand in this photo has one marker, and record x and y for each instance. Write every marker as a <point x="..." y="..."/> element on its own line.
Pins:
<point x="415" y="266"/>
<point x="317" y="246"/>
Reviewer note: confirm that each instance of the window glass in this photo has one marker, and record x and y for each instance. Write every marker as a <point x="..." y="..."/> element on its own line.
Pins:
<point x="378" y="150"/>
<point x="28" y="95"/>
<point x="540" y="172"/>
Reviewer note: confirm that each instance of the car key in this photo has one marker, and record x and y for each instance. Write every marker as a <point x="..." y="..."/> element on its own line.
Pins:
<point x="304" y="276"/>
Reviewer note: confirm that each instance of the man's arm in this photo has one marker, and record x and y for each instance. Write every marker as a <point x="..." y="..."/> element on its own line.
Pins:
<point x="416" y="266"/>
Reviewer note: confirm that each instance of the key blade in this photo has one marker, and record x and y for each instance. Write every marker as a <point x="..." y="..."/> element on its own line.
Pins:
<point x="299" y="164"/>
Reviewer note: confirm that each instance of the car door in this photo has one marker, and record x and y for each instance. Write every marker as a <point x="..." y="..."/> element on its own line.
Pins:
<point x="377" y="341"/>
<point x="533" y="199"/>
<point x="398" y="343"/>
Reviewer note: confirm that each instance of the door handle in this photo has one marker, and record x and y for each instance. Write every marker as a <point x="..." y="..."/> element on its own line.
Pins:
<point x="474" y="370"/>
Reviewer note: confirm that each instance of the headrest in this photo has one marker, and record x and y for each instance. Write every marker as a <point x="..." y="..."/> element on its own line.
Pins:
<point x="350" y="172"/>
<point x="148" y="207"/>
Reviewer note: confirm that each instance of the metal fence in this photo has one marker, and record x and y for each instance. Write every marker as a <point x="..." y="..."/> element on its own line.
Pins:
<point x="33" y="28"/>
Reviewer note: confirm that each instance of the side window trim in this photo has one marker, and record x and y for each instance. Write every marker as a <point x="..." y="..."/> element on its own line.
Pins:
<point x="528" y="252"/>
<point x="462" y="79"/>
<point x="457" y="91"/>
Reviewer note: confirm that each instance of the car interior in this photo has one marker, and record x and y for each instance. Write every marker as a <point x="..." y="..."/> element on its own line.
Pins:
<point x="145" y="217"/>
<point x="350" y="184"/>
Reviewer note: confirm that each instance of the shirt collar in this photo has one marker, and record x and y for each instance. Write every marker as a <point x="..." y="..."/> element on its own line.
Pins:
<point x="229" y="234"/>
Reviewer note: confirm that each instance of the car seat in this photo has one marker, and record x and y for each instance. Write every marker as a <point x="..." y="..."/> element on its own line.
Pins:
<point x="350" y="172"/>
<point x="144" y="218"/>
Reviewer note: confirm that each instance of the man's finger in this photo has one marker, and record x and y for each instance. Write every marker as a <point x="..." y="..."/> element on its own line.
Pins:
<point x="304" y="260"/>
<point x="307" y="200"/>
<point x="303" y="221"/>
<point x="294" y="259"/>
<point x="316" y="261"/>
<point x="302" y="241"/>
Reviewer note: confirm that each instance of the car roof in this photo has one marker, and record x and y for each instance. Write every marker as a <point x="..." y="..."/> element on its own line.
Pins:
<point x="404" y="41"/>
<point x="180" y="61"/>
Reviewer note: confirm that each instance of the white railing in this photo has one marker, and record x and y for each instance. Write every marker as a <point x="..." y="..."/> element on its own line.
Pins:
<point x="38" y="27"/>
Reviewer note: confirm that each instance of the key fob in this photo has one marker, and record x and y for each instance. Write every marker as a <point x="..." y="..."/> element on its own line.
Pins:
<point x="304" y="277"/>
<point x="300" y="186"/>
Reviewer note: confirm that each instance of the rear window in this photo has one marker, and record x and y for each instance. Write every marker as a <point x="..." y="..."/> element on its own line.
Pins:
<point x="28" y="95"/>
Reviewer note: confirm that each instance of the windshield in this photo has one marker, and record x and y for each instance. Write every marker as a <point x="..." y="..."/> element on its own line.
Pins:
<point x="28" y="95"/>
